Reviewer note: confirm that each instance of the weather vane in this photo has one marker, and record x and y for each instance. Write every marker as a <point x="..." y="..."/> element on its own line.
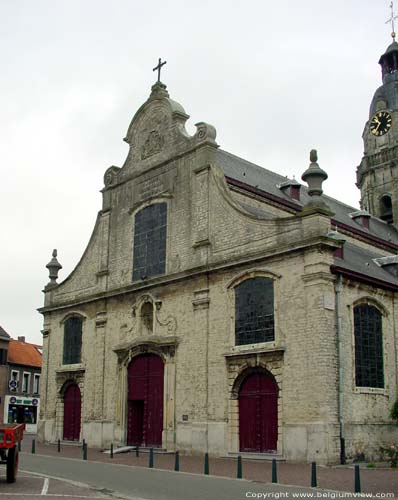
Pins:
<point x="159" y="67"/>
<point x="391" y="20"/>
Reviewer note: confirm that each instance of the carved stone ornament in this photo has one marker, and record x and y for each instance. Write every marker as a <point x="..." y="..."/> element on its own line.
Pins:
<point x="153" y="144"/>
<point x="162" y="346"/>
<point x="110" y="176"/>
<point x="205" y="132"/>
<point x="164" y="323"/>
<point x="157" y="133"/>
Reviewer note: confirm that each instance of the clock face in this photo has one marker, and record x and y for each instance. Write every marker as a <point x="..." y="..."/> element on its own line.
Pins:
<point x="380" y="123"/>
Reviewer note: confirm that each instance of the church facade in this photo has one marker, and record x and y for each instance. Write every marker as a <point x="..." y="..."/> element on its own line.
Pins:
<point x="220" y="307"/>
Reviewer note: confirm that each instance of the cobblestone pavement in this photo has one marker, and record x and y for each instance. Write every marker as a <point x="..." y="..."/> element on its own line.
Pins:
<point x="339" y="478"/>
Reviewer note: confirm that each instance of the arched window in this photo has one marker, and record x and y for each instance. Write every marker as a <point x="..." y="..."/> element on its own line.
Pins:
<point x="254" y="311"/>
<point x="150" y="227"/>
<point x="386" y="209"/>
<point x="368" y="346"/>
<point x="72" y="340"/>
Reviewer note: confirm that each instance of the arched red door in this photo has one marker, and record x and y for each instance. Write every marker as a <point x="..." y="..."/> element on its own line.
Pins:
<point x="145" y="401"/>
<point x="258" y="414"/>
<point x="72" y="413"/>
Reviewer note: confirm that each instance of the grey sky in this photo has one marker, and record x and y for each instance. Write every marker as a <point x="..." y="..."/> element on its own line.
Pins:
<point x="275" y="78"/>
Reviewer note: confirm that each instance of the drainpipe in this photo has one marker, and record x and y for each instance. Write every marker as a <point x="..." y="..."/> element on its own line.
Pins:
<point x="338" y="290"/>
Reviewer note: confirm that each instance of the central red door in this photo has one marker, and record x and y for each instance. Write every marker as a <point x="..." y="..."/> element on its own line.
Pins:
<point x="145" y="401"/>
<point x="72" y="413"/>
<point x="258" y="414"/>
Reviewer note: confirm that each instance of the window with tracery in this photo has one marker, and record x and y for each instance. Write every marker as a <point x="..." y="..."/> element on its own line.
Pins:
<point x="369" y="371"/>
<point x="150" y="229"/>
<point x="72" y="340"/>
<point x="254" y="311"/>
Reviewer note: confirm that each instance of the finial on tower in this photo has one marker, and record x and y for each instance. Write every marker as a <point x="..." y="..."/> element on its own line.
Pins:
<point x="391" y="20"/>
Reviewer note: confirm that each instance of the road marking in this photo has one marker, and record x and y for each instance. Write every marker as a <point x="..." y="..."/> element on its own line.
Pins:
<point x="45" y="486"/>
<point x="52" y="494"/>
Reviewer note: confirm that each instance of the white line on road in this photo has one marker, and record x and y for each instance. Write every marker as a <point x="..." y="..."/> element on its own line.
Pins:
<point x="27" y="495"/>
<point x="45" y="486"/>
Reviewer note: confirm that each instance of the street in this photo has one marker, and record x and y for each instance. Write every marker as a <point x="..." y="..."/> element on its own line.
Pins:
<point x="136" y="483"/>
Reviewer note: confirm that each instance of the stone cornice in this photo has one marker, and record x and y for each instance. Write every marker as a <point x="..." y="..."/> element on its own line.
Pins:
<point x="310" y="243"/>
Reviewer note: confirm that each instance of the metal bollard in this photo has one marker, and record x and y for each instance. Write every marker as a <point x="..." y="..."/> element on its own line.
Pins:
<point x="33" y="446"/>
<point x="239" y="468"/>
<point x="357" y="486"/>
<point x="206" y="471"/>
<point x="19" y="445"/>
<point x="313" y="475"/>
<point x="85" y="451"/>
<point x="137" y="451"/>
<point x="59" y="446"/>
<point x="111" y="450"/>
<point x="151" y="458"/>
<point x="274" y="471"/>
<point x="177" y="462"/>
<point x="84" y="444"/>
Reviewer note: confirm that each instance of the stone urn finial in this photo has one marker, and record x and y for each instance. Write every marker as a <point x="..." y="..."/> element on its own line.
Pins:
<point x="314" y="177"/>
<point x="53" y="267"/>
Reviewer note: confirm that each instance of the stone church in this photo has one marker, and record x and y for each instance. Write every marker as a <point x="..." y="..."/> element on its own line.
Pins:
<point x="220" y="307"/>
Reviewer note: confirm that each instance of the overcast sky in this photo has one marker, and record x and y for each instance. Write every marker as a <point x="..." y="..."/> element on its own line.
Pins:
<point x="276" y="78"/>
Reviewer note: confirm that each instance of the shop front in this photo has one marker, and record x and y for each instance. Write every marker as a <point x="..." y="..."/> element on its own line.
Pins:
<point x="22" y="410"/>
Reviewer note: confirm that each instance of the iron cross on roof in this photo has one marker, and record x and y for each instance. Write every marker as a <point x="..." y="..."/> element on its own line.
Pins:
<point x="391" y="20"/>
<point x="159" y="67"/>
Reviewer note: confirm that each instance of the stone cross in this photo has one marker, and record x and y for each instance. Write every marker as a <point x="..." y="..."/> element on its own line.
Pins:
<point x="159" y="67"/>
<point x="391" y="20"/>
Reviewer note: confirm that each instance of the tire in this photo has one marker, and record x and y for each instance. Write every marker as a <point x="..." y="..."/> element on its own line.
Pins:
<point x="12" y="465"/>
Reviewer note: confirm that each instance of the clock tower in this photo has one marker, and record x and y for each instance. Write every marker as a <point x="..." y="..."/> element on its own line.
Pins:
<point x="377" y="174"/>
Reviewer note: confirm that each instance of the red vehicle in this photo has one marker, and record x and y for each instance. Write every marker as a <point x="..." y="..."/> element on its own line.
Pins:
<point x="10" y="436"/>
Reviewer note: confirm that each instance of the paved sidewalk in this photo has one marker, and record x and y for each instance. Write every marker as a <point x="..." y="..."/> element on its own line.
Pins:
<point x="340" y="478"/>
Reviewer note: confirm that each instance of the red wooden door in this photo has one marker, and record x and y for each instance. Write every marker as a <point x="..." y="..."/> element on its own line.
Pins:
<point x="258" y="414"/>
<point x="72" y="413"/>
<point x="145" y="401"/>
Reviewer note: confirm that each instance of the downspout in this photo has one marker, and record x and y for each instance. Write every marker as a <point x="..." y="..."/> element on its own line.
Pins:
<point x="340" y="376"/>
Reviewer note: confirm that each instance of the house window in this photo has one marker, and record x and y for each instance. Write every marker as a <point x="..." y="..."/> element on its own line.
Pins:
<point x="369" y="370"/>
<point x="254" y="311"/>
<point x="150" y="229"/>
<point x="25" y="382"/>
<point x="3" y="356"/>
<point x="36" y="383"/>
<point x="72" y="340"/>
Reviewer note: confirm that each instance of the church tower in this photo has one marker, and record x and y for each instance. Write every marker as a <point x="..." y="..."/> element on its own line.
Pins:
<point x="377" y="174"/>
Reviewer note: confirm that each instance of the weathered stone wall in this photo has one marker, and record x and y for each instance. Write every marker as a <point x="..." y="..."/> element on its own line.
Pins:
<point x="366" y="411"/>
<point x="213" y="243"/>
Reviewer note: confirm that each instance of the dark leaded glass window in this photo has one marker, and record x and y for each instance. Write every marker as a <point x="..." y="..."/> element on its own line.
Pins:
<point x="72" y="340"/>
<point x="368" y="347"/>
<point x="254" y="311"/>
<point x="150" y="241"/>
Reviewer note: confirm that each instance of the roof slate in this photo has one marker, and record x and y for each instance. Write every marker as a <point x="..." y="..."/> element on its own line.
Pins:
<point x="267" y="181"/>
<point x="356" y="259"/>
<point x="4" y="334"/>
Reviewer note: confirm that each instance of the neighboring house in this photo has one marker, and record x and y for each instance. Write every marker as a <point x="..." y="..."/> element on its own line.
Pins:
<point x="4" y="342"/>
<point x="220" y="307"/>
<point x="22" y="402"/>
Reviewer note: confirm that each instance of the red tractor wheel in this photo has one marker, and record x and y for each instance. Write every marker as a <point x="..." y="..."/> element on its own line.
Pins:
<point x="12" y="464"/>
